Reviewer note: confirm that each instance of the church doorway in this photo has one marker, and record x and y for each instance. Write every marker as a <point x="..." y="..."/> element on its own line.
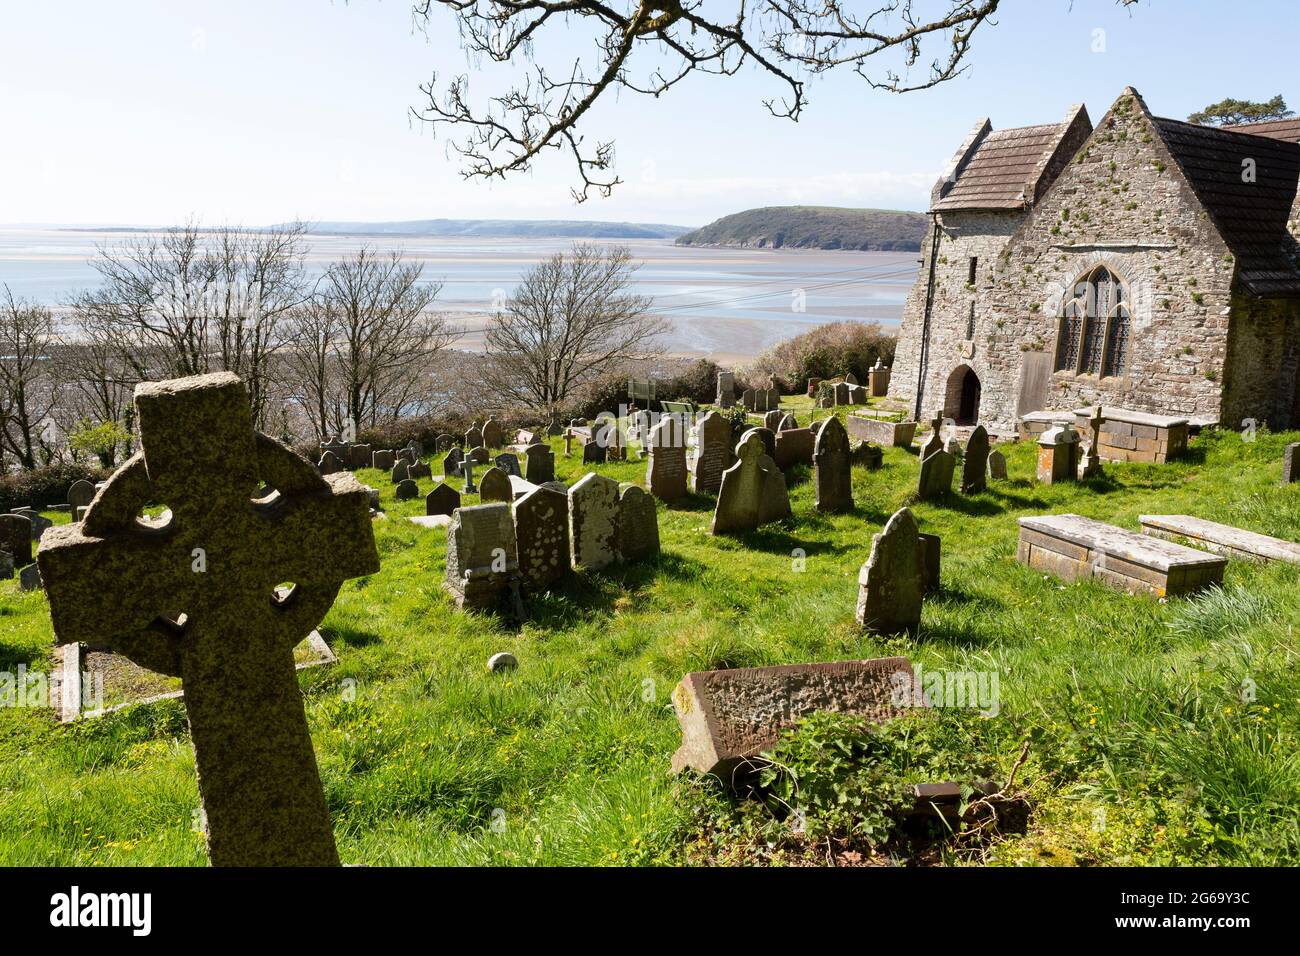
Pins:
<point x="962" y="401"/>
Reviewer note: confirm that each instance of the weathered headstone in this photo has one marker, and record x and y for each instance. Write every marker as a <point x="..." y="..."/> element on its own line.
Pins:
<point x="542" y="534"/>
<point x="329" y="464"/>
<point x="495" y="486"/>
<point x="772" y="420"/>
<point x="451" y="462"/>
<point x="593" y="521"/>
<point x="1057" y="453"/>
<point x="539" y="464"/>
<point x="406" y="490"/>
<point x="111" y="583"/>
<point x="753" y="490"/>
<point x="482" y="560"/>
<point x="29" y="578"/>
<point x="726" y="390"/>
<point x="794" y="446"/>
<point x="665" y="473"/>
<point x="869" y="456"/>
<point x="731" y="716"/>
<point x="401" y="470"/>
<point x="442" y="500"/>
<point x="6" y="565"/>
<point x="890" y="584"/>
<point x="766" y="436"/>
<point x="878" y="379"/>
<point x="359" y="456"/>
<point x="80" y="495"/>
<point x="997" y="465"/>
<point x="787" y="422"/>
<point x="747" y="399"/>
<point x="509" y="463"/>
<point x="38" y="520"/>
<point x="382" y="459"/>
<point x="594" y="453"/>
<point x="467" y="472"/>
<point x="712" y="453"/>
<point x="1291" y="463"/>
<point x="638" y="525"/>
<point x="419" y="469"/>
<point x="1090" y="463"/>
<point x="473" y="436"/>
<point x="444" y="442"/>
<point x="935" y="440"/>
<point x="929" y="549"/>
<point x="834" y="470"/>
<point x="493" y="437"/>
<point x="843" y="393"/>
<point x="974" y="463"/>
<point x="935" y="479"/>
<point x="479" y="455"/>
<point x="16" y="538"/>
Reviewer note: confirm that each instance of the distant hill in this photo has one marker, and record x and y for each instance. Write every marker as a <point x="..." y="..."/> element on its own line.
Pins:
<point x="814" y="227"/>
<point x="503" y="228"/>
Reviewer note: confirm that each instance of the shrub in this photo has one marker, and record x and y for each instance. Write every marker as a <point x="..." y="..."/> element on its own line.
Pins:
<point x="43" y="487"/>
<point x="827" y="351"/>
<point x="698" y="383"/>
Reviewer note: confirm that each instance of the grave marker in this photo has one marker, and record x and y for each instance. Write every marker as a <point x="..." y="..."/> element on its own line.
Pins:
<point x="892" y="581"/>
<point x="975" y="461"/>
<point x="593" y="521"/>
<point x="542" y="535"/>
<point x="665" y="473"/>
<point x="482" y="560"/>
<point x="638" y="525"/>
<point x="753" y="490"/>
<point x="834" y="475"/>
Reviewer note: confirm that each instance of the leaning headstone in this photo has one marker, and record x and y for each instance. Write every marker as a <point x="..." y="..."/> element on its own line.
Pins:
<point x="442" y="500"/>
<point x="509" y="463"/>
<point x="16" y="538"/>
<point x="382" y="459"/>
<point x="1291" y="463"/>
<point x="729" y="717"/>
<point x="935" y="479"/>
<point x="406" y="490"/>
<point x="665" y="473"/>
<point x="638" y="525"/>
<point x="401" y="471"/>
<point x="834" y="470"/>
<point x="492" y="434"/>
<point x="451" y="462"/>
<point x="753" y="490"/>
<point x="974" y="463"/>
<point x="542" y="535"/>
<point x="330" y="464"/>
<point x="495" y="486"/>
<point x="482" y="560"/>
<point x="109" y="584"/>
<point x="890" y="584"/>
<point x="593" y="521"/>
<point x="997" y="465"/>
<point x="712" y="453"/>
<point x="539" y="464"/>
<point x="80" y="494"/>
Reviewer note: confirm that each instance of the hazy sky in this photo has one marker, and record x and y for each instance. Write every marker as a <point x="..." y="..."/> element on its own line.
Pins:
<point x="252" y="111"/>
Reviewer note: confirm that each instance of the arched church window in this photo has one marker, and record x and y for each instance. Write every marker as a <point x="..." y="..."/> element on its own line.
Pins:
<point x="1093" y="337"/>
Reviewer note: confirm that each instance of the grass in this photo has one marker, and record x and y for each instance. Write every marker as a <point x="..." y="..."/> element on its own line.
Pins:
<point x="1159" y="732"/>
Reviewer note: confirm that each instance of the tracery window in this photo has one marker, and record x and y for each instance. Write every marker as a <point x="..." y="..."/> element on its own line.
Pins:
<point x="1094" y="332"/>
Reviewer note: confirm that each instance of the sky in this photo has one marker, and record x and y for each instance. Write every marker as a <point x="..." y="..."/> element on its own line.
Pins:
<point x="248" y="112"/>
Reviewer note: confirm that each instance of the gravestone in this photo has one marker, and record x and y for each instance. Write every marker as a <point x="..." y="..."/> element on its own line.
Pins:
<point x="929" y="548"/>
<point x="473" y="436"/>
<point x="1057" y="454"/>
<point x="593" y="522"/>
<point x="444" y="442"/>
<point x="80" y="495"/>
<point x="442" y="500"/>
<point x="766" y="436"/>
<point x="329" y="464"/>
<point x="110" y="582"/>
<point x="495" y="486"/>
<point x="787" y="422"/>
<point x="419" y="469"/>
<point x="482" y="560"/>
<point x="553" y="428"/>
<point x="665" y="473"/>
<point x="935" y="440"/>
<point x="772" y="420"/>
<point x="451" y="462"/>
<point x="726" y="390"/>
<point x="406" y="490"/>
<point x="539" y="464"/>
<point x="794" y="446"/>
<point x="747" y="399"/>
<point x="753" y="490"/>
<point x="869" y="456"/>
<point x="594" y="453"/>
<point x="383" y="460"/>
<point x="851" y="379"/>
<point x="1090" y="464"/>
<point x="493" y="436"/>
<point x="6" y="565"/>
<point x="728" y="717"/>
<point x="479" y="455"/>
<point x="407" y="455"/>
<point x="878" y="379"/>
<point x="509" y="463"/>
<point x="542" y="536"/>
<point x="467" y="472"/>
<point x="843" y="393"/>
<point x="401" y="471"/>
<point x="935" y="479"/>
<point x="38" y="520"/>
<point x="29" y="578"/>
<point x="712" y="453"/>
<point x="997" y="465"/>
<point x="359" y="456"/>
<point x="975" y="462"/>
<point x="1291" y="463"/>
<point x="638" y="525"/>
<point x="857" y="395"/>
<point x="834" y="475"/>
<point x="415" y="447"/>
<point x="16" y="538"/>
<point x="891" y="583"/>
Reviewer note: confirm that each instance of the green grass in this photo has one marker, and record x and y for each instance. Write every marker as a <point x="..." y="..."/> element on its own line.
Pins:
<point x="1143" y="747"/>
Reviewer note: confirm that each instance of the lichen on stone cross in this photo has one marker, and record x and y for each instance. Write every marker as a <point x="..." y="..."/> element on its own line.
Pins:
<point x="195" y="595"/>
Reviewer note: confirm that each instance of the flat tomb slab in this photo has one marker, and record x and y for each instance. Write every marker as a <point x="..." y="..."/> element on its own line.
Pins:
<point x="1221" y="538"/>
<point x="1073" y="547"/>
<point x="887" y="433"/>
<point x="431" y="521"/>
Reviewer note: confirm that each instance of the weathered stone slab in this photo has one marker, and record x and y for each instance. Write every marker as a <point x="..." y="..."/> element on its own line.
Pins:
<point x="893" y="580"/>
<point x="539" y="464"/>
<point x="753" y="490"/>
<point x="542" y="535"/>
<point x="793" y="446"/>
<point x="935" y="479"/>
<point x="888" y="434"/>
<point x="482" y="558"/>
<point x="593" y="522"/>
<point x="406" y="490"/>
<point x="382" y="459"/>
<point x="975" y="461"/>
<point x="110" y="580"/>
<point x="1291" y="463"/>
<point x="726" y="396"/>
<point x="431" y="521"/>
<point x="834" y="470"/>
<point x="997" y="465"/>
<point x="80" y="494"/>
<point x="638" y="525"/>
<point x="665" y="473"/>
<point x="442" y="500"/>
<point x="1221" y="538"/>
<point x="1074" y="547"/>
<point x="712" y="453"/>
<point x="730" y="716"/>
<point x="16" y="538"/>
<point x="495" y="486"/>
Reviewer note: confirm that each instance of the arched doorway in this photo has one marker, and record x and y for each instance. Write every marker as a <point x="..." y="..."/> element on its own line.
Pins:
<point x="962" y="401"/>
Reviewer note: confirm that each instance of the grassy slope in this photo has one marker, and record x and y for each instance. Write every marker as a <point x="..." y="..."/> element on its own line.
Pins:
<point x="1131" y="704"/>
<point x="814" y="227"/>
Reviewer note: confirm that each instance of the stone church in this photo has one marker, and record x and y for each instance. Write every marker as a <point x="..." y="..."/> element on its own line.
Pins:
<point x="1145" y="264"/>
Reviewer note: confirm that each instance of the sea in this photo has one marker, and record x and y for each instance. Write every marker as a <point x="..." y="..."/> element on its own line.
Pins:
<point x="726" y="304"/>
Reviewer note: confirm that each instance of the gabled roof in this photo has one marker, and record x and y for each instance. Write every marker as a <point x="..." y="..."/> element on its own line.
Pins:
<point x="1287" y="130"/>
<point x="1009" y="168"/>
<point x="1251" y="216"/>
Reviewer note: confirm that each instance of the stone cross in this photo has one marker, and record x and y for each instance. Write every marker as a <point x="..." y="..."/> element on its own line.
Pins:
<point x="194" y="595"/>
<point x="467" y="472"/>
<point x="935" y="441"/>
<point x="1091" y="464"/>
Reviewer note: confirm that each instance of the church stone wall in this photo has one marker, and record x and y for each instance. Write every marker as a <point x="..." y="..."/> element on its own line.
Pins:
<point x="1263" y="367"/>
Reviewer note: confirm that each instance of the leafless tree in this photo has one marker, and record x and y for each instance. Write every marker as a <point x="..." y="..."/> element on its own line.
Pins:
<point x="572" y="318"/>
<point x="649" y="46"/>
<point x="363" y="345"/>
<point x="27" y="388"/>
<point x="98" y="372"/>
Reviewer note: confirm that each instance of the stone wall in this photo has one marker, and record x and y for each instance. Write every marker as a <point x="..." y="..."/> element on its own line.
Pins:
<point x="1262" y="377"/>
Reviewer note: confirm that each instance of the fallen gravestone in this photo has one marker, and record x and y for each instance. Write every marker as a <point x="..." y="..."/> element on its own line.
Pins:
<point x="442" y="500"/>
<point x="406" y="490"/>
<point x="974" y="463"/>
<point x="495" y="486"/>
<point x="1221" y="538"/>
<point x="665" y="473"/>
<point x="542" y="537"/>
<point x="729" y="717"/>
<point x="753" y="490"/>
<point x="16" y="538"/>
<point x="834" y="476"/>
<point x="482" y="561"/>
<point x="638" y="525"/>
<point x="891" y="583"/>
<point x="593" y="522"/>
<point x="112" y="582"/>
<point x="539" y="464"/>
